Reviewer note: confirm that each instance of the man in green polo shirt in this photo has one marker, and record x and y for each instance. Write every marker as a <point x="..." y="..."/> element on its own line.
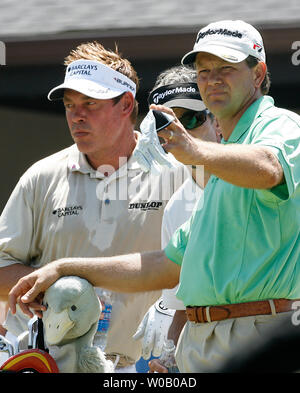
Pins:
<point x="239" y="256"/>
<point x="243" y="235"/>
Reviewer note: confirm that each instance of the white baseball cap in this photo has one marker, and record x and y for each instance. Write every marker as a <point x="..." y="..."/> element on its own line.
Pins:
<point x="231" y="40"/>
<point x="93" y="79"/>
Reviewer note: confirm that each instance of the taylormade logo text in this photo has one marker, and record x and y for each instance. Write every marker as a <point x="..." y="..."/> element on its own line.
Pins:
<point x="160" y="96"/>
<point x="226" y="32"/>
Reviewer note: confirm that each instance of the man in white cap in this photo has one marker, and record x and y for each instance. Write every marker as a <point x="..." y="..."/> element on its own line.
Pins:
<point x="238" y="256"/>
<point x="92" y="198"/>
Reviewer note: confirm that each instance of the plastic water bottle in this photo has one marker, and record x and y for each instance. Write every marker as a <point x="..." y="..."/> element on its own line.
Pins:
<point x="103" y="324"/>
<point x="168" y="356"/>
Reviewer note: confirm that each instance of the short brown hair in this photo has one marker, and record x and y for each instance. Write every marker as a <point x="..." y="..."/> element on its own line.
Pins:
<point x="95" y="51"/>
<point x="265" y="86"/>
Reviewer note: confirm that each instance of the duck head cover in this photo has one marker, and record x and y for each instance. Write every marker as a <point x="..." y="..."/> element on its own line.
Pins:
<point x="70" y="324"/>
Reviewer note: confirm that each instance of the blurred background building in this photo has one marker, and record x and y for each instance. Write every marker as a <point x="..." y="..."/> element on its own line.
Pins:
<point x="152" y="34"/>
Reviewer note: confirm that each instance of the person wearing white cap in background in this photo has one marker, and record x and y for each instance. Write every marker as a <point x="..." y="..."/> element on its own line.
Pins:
<point x="92" y="198"/>
<point x="236" y="259"/>
<point x="176" y="88"/>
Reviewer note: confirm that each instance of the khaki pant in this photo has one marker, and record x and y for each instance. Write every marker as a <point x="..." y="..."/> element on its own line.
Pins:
<point x="203" y="347"/>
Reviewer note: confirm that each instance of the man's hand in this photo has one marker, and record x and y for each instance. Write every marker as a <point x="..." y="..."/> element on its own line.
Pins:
<point x="154" y="328"/>
<point x="155" y="366"/>
<point x="29" y="290"/>
<point x="166" y="363"/>
<point x="178" y="141"/>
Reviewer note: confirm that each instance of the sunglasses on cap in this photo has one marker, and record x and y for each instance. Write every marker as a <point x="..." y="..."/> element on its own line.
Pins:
<point x="193" y="119"/>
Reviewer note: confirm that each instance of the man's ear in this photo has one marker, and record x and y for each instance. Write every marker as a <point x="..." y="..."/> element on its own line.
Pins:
<point x="260" y="71"/>
<point x="127" y="103"/>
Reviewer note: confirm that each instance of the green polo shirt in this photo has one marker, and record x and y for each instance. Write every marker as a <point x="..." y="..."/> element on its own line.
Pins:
<point x="244" y="244"/>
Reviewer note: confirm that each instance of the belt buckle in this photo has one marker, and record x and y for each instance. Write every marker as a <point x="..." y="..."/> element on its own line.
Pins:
<point x="199" y="314"/>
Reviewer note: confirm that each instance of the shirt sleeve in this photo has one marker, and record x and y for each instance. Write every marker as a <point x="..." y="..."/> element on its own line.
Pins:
<point x="166" y="229"/>
<point x="16" y="227"/>
<point x="282" y="137"/>
<point x="176" y="247"/>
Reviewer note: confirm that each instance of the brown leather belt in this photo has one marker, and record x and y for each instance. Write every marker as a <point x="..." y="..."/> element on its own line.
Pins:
<point x="203" y="314"/>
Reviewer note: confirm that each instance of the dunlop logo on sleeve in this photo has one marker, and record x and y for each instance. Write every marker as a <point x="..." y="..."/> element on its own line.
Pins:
<point x="144" y="206"/>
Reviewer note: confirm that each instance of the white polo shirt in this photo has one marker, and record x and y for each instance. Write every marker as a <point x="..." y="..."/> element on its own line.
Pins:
<point x="61" y="207"/>
<point x="177" y="212"/>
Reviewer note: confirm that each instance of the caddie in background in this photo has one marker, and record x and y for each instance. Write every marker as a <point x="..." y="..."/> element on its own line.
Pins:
<point x="92" y="198"/>
<point x="176" y="88"/>
<point x="238" y="256"/>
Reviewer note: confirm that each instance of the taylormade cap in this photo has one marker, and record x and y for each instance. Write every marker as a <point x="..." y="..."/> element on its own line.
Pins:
<point x="231" y="40"/>
<point x="93" y="79"/>
<point x="181" y="95"/>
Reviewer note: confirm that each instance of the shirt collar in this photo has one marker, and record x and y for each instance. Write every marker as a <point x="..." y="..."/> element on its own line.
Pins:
<point x="77" y="162"/>
<point x="253" y="112"/>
